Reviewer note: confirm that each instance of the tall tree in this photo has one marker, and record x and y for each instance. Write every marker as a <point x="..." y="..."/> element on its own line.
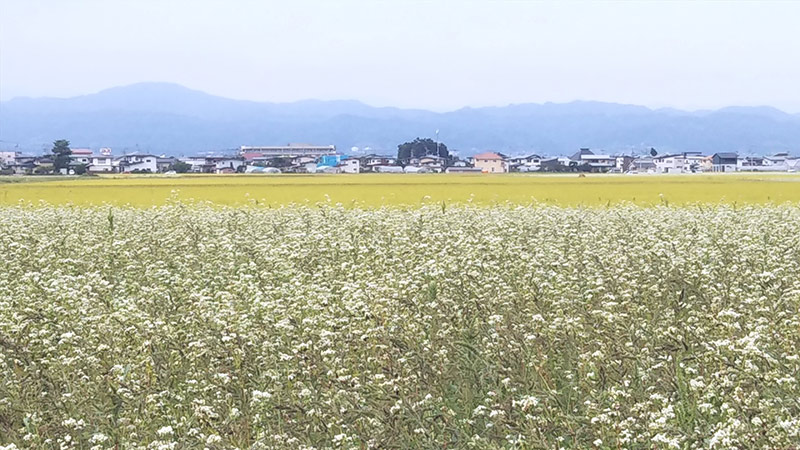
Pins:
<point x="61" y="153"/>
<point x="421" y="147"/>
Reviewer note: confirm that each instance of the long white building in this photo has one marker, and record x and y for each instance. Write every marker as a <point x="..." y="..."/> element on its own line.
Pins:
<point x="289" y="150"/>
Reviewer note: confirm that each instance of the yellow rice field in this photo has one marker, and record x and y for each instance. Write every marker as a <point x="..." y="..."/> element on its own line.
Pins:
<point x="399" y="189"/>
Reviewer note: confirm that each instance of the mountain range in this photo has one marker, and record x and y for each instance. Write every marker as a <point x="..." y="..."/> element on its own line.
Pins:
<point x="175" y="120"/>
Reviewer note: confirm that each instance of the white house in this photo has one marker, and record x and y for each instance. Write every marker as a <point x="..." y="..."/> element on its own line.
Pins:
<point x="101" y="163"/>
<point x="673" y="163"/>
<point x="138" y="163"/>
<point x="679" y="163"/>
<point x="602" y="162"/>
<point x="350" y="165"/>
<point x="227" y="164"/>
<point x="81" y="156"/>
<point x="530" y="163"/>
<point x="198" y="163"/>
<point x="7" y="158"/>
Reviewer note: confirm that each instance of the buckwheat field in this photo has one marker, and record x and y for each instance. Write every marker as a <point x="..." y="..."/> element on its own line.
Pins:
<point x="190" y="326"/>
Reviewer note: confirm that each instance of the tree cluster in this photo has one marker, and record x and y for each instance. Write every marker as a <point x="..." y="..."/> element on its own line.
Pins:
<point x="421" y="147"/>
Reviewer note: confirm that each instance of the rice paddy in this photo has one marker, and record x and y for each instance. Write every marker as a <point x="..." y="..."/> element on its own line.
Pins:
<point x="372" y="190"/>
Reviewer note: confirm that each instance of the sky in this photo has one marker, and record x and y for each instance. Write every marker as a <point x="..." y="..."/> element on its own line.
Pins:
<point x="438" y="55"/>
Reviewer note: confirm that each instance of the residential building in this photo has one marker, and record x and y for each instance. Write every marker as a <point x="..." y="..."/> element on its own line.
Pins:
<point x="165" y="163"/>
<point x="198" y="164"/>
<point x="137" y="163"/>
<point x="8" y="158"/>
<point x="101" y="164"/>
<point x="623" y="163"/>
<point x="530" y="163"/>
<point x="725" y="162"/>
<point x="81" y="156"/>
<point x="433" y="162"/>
<point x="687" y="162"/>
<point x="706" y="164"/>
<point x="349" y="165"/>
<point x="644" y="164"/>
<point x="491" y="162"/>
<point x="370" y="162"/>
<point x="224" y="164"/>
<point x="599" y="163"/>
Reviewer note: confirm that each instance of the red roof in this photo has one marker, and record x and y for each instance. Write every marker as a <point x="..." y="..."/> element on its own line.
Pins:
<point x="488" y="155"/>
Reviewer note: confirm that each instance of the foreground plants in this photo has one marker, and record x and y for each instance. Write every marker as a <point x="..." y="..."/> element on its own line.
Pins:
<point x="190" y="327"/>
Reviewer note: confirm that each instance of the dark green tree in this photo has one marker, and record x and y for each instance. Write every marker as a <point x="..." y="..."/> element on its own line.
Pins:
<point x="79" y="169"/>
<point x="421" y="147"/>
<point x="181" y="167"/>
<point x="61" y="153"/>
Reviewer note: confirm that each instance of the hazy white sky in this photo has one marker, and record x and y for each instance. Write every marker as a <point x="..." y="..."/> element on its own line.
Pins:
<point x="439" y="55"/>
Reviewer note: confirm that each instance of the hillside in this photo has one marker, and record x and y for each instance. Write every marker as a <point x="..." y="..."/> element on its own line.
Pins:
<point x="172" y="119"/>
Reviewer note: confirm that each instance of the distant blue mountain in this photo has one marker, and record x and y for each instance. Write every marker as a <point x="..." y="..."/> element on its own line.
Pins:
<point x="169" y="118"/>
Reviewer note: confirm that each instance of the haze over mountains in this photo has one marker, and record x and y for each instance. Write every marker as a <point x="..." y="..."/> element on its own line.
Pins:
<point x="169" y="118"/>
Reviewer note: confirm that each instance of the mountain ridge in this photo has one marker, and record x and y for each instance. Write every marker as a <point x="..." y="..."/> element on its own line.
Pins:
<point x="173" y="119"/>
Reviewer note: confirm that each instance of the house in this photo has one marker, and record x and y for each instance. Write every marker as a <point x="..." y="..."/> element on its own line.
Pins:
<point x="368" y="163"/>
<point x="558" y="164"/>
<point x="433" y="162"/>
<point x="165" y="163"/>
<point x="101" y="164"/>
<point x="81" y="156"/>
<point x="778" y="159"/>
<point x="643" y="164"/>
<point x="530" y="163"/>
<point x="578" y="156"/>
<point x="687" y="162"/>
<point x="8" y="158"/>
<point x="137" y="163"/>
<point x="23" y="165"/>
<point x="491" y="162"/>
<point x="725" y="162"/>
<point x="349" y="165"/>
<point x="752" y="161"/>
<point x="598" y="163"/>
<point x="224" y="164"/>
<point x="550" y="165"/>
<point x="623" y="163"/>
<point x="198" y="164"/>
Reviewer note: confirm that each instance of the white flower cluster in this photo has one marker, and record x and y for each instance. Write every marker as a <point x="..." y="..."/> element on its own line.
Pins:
<point x="192" y="326"/>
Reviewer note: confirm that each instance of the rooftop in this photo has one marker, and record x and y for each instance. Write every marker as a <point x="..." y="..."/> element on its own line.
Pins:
<point x="488" y="155"/>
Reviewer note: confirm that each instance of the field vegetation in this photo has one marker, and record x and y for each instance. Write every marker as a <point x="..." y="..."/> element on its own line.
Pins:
<point x="190" y="326"/>
<point x="389" y="189"/>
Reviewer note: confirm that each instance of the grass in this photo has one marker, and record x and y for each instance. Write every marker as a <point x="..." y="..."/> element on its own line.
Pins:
<point x="388" y="189"/>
